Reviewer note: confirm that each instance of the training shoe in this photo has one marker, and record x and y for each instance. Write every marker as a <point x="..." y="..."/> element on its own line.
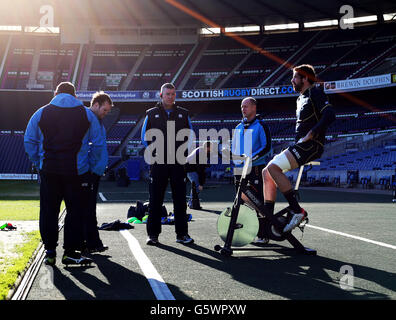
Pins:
<point x="152" y="241"/>
<point x="50" y="258"/>
<point x="97" y="249"/>
<point x="194" y="207"/>
<point x="184" y="239"/>
<point x="260" y="241"/>
<point x="75" y="258"/>
<point x="295" y="220"/>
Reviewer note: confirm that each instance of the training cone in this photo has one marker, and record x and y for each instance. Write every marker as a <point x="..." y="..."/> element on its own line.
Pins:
<point x="132" y="219"/>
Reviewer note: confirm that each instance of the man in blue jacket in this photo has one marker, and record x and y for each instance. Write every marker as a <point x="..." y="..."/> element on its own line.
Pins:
<point x="100" y="105"/>
<point x="57" y="141"/>
<point x="252" y="138"/>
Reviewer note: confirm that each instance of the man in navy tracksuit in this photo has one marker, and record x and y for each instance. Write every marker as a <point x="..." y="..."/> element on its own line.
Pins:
<point x="101" y="105"/>
<point x="314" y="115"/>
<point x="164" y="119"/>
<point x="57" y="141"/>
<point x="252" y="138"/>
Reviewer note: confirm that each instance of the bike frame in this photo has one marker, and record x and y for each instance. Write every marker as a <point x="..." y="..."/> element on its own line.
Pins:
<point x="254" y="197"/>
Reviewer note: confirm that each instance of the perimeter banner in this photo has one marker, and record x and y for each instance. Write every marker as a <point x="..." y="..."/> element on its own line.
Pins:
<point x="358" y="83"/>
<point x="240" y="93"/>
<point x="198" y="94"/>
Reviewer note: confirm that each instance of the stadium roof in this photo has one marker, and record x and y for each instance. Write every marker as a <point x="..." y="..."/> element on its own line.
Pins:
<point x="200" y="13"/>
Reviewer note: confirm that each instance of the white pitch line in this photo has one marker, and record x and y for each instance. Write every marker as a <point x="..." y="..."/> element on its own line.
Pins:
<point x="155" y="280"/>
<point x="353" y="237"/>
<point x="102" y="196"/>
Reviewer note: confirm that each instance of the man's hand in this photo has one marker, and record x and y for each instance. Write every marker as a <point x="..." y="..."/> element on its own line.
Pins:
<point x="307" y="137"/>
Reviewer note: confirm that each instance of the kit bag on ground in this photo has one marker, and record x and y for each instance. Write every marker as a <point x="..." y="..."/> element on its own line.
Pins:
<point x="137" y="210"/>
<point x="141" y="209"/>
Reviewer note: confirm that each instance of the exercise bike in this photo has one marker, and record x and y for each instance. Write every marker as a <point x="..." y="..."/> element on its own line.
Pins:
<point x="238" y="226"/>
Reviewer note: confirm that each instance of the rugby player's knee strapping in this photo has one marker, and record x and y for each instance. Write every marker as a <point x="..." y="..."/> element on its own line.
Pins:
<point x="281" y="161"/>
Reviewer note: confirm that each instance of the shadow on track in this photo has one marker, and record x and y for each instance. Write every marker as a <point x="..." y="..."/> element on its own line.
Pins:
<point x="291" y="275"/>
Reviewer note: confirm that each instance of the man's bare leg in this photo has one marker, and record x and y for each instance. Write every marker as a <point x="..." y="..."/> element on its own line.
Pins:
<point x="275" y="173"/>
<point x="269" y="186"/>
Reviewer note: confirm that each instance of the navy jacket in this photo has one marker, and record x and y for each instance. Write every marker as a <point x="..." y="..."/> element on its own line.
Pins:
<point x="158" y="118"/>
<point x="314" y="112"/>
<point x="64" y="137"/>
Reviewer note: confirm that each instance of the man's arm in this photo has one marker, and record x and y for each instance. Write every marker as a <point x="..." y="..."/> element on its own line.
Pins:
<point x="323" y="107"/>
<point x="201" y="174"/>
<point x="265" y="138"/>
<point x="33" y="138"/>
<point x="97" y="155"/>
<point x="143" y="133"/>
<point x="191" y="138"/>
<point x="192" y="157"/>
<point x="328" y="116"/>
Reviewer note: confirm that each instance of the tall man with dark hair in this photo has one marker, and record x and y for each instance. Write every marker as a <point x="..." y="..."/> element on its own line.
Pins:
<point x="57" y="141"/>
<point x="167" y="120"/>
<point x="101" y="105"/>
<point x="314" y="115"/>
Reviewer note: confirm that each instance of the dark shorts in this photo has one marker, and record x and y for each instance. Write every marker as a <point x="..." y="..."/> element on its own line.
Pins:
<point x="255" y="179"/>
<point x="306" y="151"/>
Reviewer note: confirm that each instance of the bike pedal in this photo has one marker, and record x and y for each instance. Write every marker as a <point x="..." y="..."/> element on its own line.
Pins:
<point x="302" y="226"/>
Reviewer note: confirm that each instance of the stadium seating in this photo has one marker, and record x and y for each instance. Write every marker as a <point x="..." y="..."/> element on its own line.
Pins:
<point x="336" y="54"/>
<point x="18" y="63"/>
<point x="119" y="131"/>
<point x="156" y="64"/>
<point x="281" y="128"/>
<point x="372" y="159"/>
<point x="111" y="65"/>
<point x="159" y="65"/>
<point x="14" y="160"/>
<point x="55" y="62"/>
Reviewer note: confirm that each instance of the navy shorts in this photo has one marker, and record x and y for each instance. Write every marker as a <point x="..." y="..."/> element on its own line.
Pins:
<point x="306" y="151"/>
<point x="255" y="180"/>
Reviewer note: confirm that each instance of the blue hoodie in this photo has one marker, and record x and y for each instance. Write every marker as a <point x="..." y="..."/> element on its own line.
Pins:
<point x="99" y="167"/>
<point x="64" y="137"/>
<point x="252" y="139"/>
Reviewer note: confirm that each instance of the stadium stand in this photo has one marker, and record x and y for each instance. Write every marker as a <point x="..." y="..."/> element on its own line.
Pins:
<point x="159" y="65"/>
<point x="37" y="62"/>
<point x="380" y="158"/>
<point x="40" y="62"/>
<point x="221" y="62"/>
<point x="12" y="156"/>
<point x="119" y="131"/>
<point x="111" y="65"/>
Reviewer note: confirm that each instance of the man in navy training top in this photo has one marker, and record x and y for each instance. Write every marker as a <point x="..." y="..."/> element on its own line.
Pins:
<point x="314" y="115"/>
<point x="167" y="119"/>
